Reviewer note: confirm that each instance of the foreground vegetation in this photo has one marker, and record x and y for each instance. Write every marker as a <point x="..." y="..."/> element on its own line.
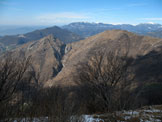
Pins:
<point x="104" y="84"/>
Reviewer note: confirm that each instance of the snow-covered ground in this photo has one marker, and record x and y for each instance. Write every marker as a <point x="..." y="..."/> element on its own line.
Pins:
<point x="84" y="118"/>
<point x="145" y="114"/>
<point x="90" y="118"/>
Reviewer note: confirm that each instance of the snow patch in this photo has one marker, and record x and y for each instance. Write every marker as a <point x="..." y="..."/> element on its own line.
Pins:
<point x="21" y="36"/>
<point x="150" y="23"/>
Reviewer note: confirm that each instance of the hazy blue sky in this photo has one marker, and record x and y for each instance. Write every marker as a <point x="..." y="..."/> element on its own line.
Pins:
<point x="58" y="12"/>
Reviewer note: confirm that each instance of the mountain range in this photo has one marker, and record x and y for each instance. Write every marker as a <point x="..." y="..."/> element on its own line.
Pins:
<point x="56" y="62"/>
<point x="75" y="32"/>
<point x="13" y="41"/>
<point x="56" y="52"/>
<point x="146" y="53"/>
<point x="85" y="29"/>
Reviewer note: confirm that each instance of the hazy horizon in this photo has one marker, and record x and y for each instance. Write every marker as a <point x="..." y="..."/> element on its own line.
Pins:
<point x="25" y="25"/>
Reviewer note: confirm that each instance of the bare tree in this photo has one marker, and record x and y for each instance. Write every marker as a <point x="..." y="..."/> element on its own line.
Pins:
<point x="12" y="71"/>
<point x="54" y="102"/>
<point x="105" y="76"/>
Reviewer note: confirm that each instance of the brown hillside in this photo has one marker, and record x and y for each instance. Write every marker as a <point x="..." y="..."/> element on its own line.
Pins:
<point x="46" y="56"/>
<point x="138" y="46"/>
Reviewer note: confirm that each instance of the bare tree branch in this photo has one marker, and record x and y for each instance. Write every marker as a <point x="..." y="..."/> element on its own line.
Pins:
<point x="105" y="74"/>
<point x="12" y="71"/>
